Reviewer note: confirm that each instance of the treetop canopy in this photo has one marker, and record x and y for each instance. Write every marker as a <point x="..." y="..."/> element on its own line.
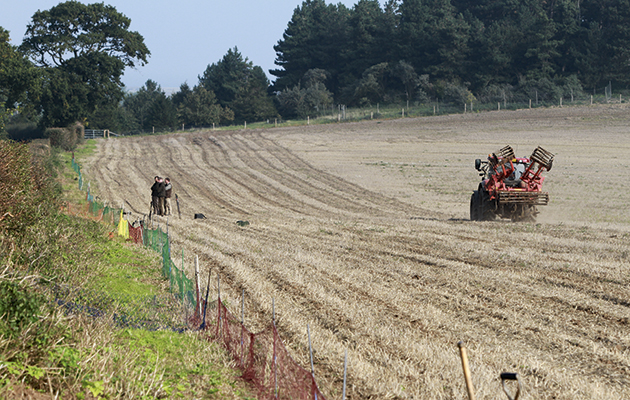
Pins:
<point x="72" y="29"/>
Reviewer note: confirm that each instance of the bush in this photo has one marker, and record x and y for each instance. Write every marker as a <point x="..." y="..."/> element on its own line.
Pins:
<point x="79" y="131"/>
<point x="23" y="131"/>
<point x="18" y="307"/>
<point x="62" y="137"/>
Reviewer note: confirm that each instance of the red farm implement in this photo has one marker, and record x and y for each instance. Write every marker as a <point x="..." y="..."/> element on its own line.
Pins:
<point x="510" y="187"/>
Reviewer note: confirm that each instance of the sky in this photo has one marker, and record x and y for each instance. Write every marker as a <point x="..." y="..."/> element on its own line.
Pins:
<point x="184" y="36"/>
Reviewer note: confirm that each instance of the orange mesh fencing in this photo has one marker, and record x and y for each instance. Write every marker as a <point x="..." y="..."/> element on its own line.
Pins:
<point x="135" y="233"/>
<point x="264" y="360"/>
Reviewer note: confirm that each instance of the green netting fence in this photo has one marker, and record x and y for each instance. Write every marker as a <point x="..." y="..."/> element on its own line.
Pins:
<point x="140" y="233"/>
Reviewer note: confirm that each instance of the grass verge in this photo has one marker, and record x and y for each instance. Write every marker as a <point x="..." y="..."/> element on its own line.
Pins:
<point x="47" y="352"/>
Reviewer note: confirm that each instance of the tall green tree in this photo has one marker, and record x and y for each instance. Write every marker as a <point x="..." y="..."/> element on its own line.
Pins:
<point x="368" y="35"/>
<point x="240" y="86"/>
<point x="316" y="37"/>
<point x="199" y="107"/>
<point x="308" y="98"/>
<point x="603" y="44"/>
<point x="83" y="51"/>
<point x="150" y="109"/>
<point x="19" y="80"/>
<point x="433" y="38"/>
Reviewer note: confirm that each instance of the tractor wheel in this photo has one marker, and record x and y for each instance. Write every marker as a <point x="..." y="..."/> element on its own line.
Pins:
<point x="486" y="207"/>
<point x="474" y="206"/>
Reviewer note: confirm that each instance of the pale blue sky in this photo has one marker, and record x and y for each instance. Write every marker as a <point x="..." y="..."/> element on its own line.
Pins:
<point x="184" y="36"/>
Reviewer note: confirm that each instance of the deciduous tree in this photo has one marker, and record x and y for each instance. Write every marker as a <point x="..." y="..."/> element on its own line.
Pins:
<point x="83" y="51"/>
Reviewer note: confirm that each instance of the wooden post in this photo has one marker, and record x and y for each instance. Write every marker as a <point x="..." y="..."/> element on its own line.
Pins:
<point x="308" y="120"/>
<point x="371" y="114"/>
<point x="154" y="130"/>
<point x="467" y="377"/>
<point x="530" y="103"/>
<point x="275" y="122"/>
<point x="310" y="349"/>
<point x="560" y="101"/>
<point x="591" y="99"/>
<point x="182" y="127"/>
<point x="465" y="106"/>
<point x="403" y="113"/>
<point x="245" y="124"/>
<point x="242" y="325"/>
<point x="434" y="109"/>
<point x="213" y="126"/>
<point x="345" y="370"/>
<point x="197" y="278"/>
<point x="499" y="106"/>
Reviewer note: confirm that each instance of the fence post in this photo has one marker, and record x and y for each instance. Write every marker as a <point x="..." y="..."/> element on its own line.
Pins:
<point x="310" y="349"/>
<point x="197" y="281"/>
<point x="219" y="305"/>
<point x="499" y="106"/>
<point x="275" y="354"/>
<point x="560" y="101"/>
<point x="530" y="103"/>
<point x="181" y="281"/>
<point x="275" y="122"/>
<point x="242" y="326"/>
<point x="205" y="305"/>
<point x="591" y="99"/>
<point x="345" y="369"/>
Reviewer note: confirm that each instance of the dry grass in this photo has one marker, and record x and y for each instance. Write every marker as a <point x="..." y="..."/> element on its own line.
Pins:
<point x="361" y="231"/>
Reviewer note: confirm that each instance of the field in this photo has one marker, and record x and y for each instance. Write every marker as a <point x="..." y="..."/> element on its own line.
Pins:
<point x="361" y="230"/>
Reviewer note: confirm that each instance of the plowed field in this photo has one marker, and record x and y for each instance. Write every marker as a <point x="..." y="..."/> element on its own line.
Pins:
<point x="361" y="230"/>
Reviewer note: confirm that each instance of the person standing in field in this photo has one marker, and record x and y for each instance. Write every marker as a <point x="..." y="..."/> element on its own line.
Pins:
<point x="167" y="197"/>
<point x="161" y="195"/>
<point x="155" y="200"/>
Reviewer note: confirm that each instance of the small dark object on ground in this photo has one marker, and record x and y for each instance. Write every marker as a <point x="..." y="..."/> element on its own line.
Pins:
<point x="200" y="216"/>
<point x="242" y="223"/>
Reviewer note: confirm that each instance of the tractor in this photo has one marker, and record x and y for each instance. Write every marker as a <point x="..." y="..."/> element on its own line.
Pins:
<point x="510" y="187"/>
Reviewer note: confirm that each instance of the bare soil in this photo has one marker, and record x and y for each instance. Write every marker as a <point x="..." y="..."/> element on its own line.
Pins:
<point x="361" y="230"/>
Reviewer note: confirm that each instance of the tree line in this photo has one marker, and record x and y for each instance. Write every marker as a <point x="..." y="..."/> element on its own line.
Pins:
<point x="70" y="64"/>
<point x="456" y="50"/>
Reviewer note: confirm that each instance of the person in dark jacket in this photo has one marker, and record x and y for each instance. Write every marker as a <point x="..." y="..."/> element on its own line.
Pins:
<point x="155" y="200"/>
<point x="161" y="195"/>
<point x="167" y="198"/>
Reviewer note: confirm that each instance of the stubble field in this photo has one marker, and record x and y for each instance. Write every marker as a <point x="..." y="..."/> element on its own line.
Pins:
<point x="361" y="230"/>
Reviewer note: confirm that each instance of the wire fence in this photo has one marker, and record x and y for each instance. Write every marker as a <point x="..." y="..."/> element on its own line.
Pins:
<point x="262" y="357"/>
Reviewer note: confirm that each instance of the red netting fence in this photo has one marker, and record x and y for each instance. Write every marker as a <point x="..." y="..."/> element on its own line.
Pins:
<point x="262" y="357"/>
